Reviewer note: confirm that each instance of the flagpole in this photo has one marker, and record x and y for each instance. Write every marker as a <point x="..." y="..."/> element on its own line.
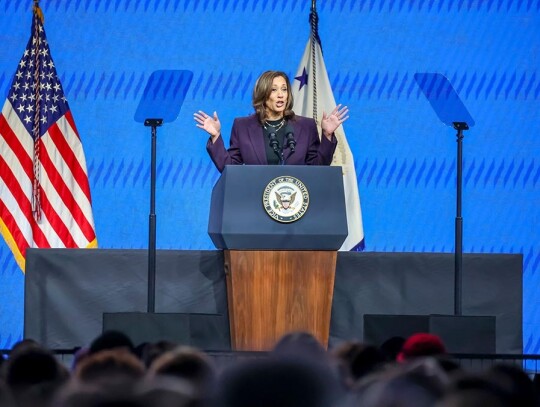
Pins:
<point x="38" y="12"/>
<point x="314" y="24"/>
<point x="36" y="182"/>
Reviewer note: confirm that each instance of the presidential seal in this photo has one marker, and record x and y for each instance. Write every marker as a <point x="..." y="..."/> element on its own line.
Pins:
<point x="285" y="199"/>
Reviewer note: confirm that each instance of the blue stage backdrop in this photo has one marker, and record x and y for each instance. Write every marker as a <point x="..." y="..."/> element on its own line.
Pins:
<point x="106" y="50"/>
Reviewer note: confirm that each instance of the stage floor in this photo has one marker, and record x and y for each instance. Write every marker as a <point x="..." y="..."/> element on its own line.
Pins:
<point x="68" y="290"/>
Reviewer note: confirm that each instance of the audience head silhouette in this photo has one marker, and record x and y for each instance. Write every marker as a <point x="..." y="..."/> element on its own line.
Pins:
<point x="420" y="345"/>
<point x="111" y="340"/>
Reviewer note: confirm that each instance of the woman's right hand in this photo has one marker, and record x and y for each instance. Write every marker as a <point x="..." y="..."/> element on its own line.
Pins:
<point x="208" y="123"/>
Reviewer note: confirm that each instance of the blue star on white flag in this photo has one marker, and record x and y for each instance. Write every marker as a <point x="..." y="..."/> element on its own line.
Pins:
<point x="312" y="96"/>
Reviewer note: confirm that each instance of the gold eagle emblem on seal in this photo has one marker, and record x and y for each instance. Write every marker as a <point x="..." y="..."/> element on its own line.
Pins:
<point x="285" y="199"/>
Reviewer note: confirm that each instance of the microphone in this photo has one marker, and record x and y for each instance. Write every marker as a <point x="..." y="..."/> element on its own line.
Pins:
<point x="290" y="141"/>
<point x="274" y="143"/>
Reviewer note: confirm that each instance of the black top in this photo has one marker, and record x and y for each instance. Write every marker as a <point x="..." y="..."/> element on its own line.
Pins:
<point x="279" y="128"/>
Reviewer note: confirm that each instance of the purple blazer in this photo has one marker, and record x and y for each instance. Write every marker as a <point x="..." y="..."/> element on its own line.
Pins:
<point x="247" y="144"/>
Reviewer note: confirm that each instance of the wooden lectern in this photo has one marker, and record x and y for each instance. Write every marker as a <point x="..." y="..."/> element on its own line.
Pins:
<point x="280" y="275"/>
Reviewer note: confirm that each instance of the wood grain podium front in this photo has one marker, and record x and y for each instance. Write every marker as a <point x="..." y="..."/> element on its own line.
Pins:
<point x="272" y="293"/>
<point x="280" y="274"/>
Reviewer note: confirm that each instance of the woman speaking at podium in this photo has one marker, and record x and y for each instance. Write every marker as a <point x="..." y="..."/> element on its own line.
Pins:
<point x="273" y="134"/>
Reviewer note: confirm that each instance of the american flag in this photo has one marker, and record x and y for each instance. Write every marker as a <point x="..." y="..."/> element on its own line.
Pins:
<point x="44" y="192"/>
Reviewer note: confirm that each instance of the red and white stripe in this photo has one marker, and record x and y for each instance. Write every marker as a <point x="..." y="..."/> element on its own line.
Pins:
<point x="67" y="219"/>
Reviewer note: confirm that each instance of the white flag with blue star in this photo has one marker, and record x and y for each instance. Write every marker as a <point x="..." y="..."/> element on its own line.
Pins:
<point x="312" y="96"/>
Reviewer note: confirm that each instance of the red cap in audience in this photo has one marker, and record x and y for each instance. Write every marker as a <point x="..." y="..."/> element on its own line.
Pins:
<point x="421" y="344"/>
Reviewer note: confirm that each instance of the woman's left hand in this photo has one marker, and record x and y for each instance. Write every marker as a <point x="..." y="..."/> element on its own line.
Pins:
<point x="331" y="122"/>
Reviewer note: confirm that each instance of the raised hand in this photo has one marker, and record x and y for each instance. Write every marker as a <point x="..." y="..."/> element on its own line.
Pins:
<point x="210" y="124"/>
<point x="331" y="122"/>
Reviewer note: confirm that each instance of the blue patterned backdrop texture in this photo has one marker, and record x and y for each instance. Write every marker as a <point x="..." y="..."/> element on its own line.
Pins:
<point x="106" y="50"/>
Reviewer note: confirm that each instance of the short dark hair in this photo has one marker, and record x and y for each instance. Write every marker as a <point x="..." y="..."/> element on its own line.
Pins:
<point x="111" y="340"/>
<point x="278" y="382"/>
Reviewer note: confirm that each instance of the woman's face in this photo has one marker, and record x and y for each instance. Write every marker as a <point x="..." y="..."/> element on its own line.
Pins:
<point x="276" y="102"/>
